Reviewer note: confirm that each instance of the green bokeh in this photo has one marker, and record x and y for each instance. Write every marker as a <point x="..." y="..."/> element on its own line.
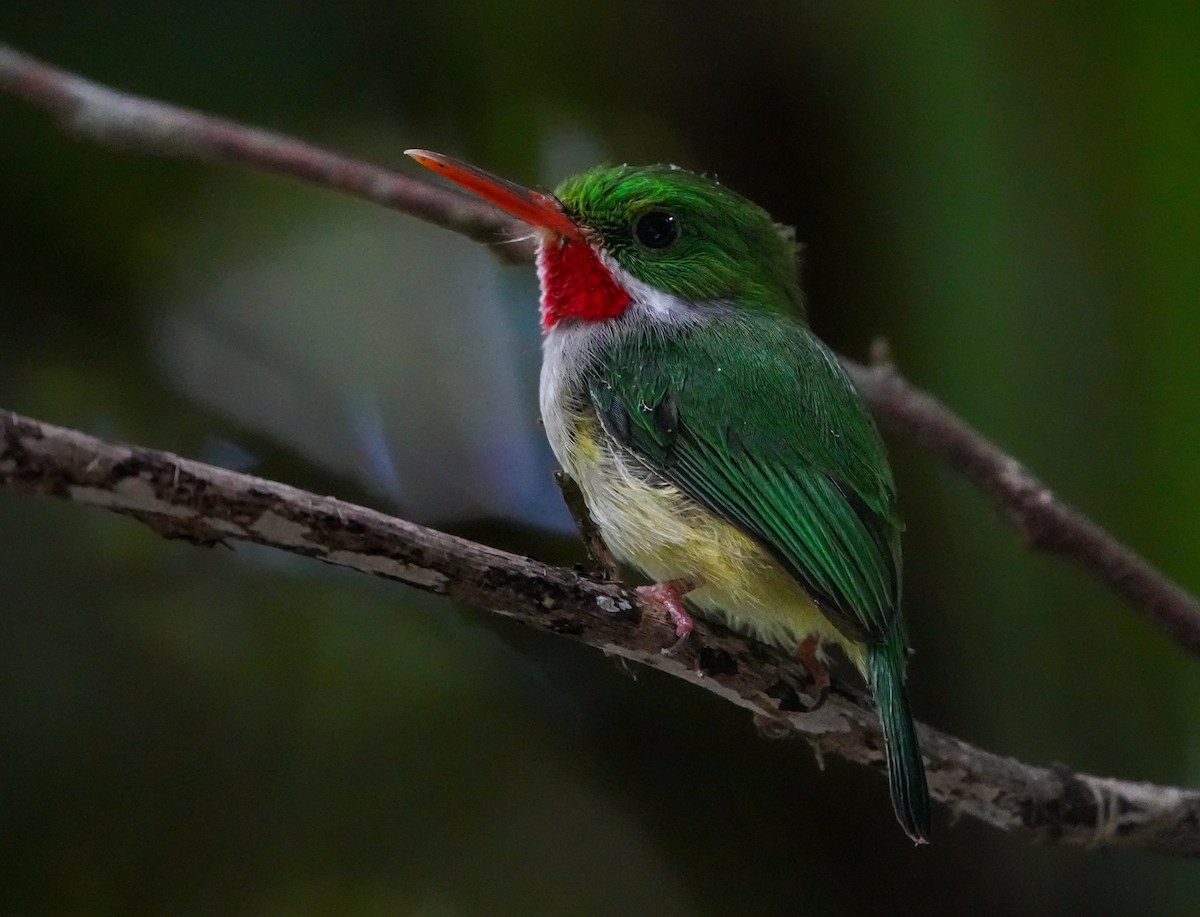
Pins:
<point x="1007" y="192"/>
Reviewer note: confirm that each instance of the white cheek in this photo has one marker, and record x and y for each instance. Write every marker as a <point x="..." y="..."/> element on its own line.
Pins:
<point x="661" y="305"/>
<point x="656" y="304"/>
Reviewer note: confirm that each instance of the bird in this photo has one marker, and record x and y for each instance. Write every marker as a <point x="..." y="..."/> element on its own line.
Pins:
<point x="721" y="448"/>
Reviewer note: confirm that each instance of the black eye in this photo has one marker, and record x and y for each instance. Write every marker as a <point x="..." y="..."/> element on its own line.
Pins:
<point x="656" y="229"/>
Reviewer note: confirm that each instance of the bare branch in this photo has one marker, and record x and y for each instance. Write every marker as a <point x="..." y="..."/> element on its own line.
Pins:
<point x="125" y="121"/>
<point x="179" y="498"/>
<point x="122" y="121"/>
<point x="1044" y="521"/>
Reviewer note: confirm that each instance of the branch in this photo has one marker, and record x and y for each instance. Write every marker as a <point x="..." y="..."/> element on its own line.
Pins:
<point x="179" y="498"/>
<point x="604" y="564"/>
<point x="1043" y="520"/>
<point x="129" y="122"/>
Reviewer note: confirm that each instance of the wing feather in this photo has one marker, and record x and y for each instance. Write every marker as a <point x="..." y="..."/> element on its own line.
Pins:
<point x="755" y="420"/>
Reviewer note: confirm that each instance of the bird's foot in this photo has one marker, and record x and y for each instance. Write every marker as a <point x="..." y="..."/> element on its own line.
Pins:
<point x="667" y="597"/>
<point x="808" y="655"/>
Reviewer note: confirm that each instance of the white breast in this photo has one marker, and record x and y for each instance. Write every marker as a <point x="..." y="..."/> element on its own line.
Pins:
<point x="567" y="349"/>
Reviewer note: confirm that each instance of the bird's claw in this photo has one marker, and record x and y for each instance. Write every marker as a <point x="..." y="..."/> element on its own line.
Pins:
<point x="668" y="597"/>
<point x="680" y="641"/>
<point x="809" y="703"/>
<point x="807" y="652"/>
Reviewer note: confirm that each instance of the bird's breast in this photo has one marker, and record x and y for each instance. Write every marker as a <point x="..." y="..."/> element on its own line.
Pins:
<point x="652" y="525"/>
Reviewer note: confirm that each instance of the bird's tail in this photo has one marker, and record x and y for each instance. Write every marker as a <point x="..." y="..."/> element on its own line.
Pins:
<point x="906" y="771"/>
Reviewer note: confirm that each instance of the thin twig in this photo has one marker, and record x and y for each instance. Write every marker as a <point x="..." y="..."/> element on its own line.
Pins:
<point x="1043" y="520"/>
<point x="603" y="561"/>
<point x="130" y="122"/>
<point x="179" y="498"/>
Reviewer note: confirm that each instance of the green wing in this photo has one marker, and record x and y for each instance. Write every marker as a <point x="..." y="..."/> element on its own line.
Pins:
<point x="755" y="419"/>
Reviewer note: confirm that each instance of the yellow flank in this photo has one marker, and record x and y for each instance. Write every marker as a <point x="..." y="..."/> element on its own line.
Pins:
<point x="666" y="535"/>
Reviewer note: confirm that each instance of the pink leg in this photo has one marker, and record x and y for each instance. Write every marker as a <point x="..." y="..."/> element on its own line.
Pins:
<point x="806" y="652"/>
<point x="668" y="597"/>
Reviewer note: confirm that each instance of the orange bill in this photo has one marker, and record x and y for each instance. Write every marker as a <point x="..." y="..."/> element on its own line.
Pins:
<point x="533" y="207"/>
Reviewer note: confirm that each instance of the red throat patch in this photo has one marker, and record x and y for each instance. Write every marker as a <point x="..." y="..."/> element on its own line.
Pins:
<point x="575" y="284"/>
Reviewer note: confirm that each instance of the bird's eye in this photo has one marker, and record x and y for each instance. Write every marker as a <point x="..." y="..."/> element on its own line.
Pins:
<point x="656" y="229"/>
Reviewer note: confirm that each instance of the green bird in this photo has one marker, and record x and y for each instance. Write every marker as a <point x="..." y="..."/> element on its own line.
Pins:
<point x="720" y="446"/>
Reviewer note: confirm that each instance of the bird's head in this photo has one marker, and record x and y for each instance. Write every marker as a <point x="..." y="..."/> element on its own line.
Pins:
<point x="657" y="239"/>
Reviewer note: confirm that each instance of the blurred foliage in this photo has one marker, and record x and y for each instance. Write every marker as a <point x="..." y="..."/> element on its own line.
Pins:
<point x="1008" y="192"/>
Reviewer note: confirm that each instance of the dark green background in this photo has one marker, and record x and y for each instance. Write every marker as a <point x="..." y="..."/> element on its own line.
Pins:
<point x="1008" y="192"/>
